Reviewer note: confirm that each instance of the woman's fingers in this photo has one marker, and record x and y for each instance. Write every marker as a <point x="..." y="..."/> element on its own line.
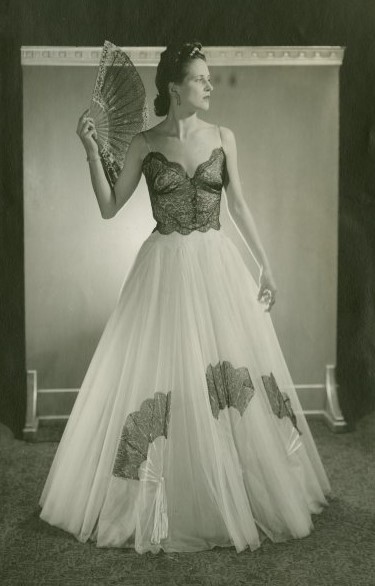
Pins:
<point x="86" y="130"/>
<point x="264" y="291"/>
<point x="271" y="302"/>
<point x="85" y="127"/>
<point x="267" y="296"/>
<point x="261" y="292"/>
<point x="89" y="123"/>
<point x="81" y="124"/>
<point x="83" y="116"/>
<point x="88" y="126"/>
<point x="83" y="119"/>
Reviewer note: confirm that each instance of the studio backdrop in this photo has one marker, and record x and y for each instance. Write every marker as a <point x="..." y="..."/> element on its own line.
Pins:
<point x="283" y="107"/>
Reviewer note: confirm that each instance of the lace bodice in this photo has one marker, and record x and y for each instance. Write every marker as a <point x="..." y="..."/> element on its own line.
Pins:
<point x="182" y="203"/>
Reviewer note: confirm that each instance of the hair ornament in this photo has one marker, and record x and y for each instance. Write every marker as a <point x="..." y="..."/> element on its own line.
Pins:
<point x="194" y="51"/>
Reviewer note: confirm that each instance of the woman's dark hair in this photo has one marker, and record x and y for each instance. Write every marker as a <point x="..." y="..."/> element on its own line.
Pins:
<point x="173" y="64"/>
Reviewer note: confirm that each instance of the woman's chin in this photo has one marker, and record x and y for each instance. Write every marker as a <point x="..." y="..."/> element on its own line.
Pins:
<point x="205" y="104"/>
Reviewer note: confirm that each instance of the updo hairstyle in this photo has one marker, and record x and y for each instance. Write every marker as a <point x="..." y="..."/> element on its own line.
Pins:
<point x="173" y="64"/>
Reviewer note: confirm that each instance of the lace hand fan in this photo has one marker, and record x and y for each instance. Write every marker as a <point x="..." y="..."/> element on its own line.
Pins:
<point x="118" y="107"/>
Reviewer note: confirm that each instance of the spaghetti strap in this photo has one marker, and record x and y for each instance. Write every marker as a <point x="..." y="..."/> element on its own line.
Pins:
<point x="146" y="141"/>
<point x="180" y="321"/>
<point x="219" y="129"/>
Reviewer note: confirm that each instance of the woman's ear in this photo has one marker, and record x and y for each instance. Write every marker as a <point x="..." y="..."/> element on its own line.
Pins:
<point x="171" y="88"/>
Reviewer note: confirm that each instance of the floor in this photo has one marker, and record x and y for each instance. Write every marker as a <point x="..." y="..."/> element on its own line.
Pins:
<point x="340" y="551"/>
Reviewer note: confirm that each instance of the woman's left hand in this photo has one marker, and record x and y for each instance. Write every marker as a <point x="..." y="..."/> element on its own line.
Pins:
<point x="267" y="289"/>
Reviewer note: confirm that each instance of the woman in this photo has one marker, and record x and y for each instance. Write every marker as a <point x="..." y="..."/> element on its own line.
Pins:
<point x="181" y="438"/>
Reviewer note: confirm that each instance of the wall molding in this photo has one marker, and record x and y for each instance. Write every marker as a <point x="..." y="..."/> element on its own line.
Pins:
<point x="31" y="422"/>
<point x="216" y="56"/>
<point x="318" y="401"/>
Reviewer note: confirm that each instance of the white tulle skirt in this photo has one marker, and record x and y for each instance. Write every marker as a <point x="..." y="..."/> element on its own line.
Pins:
<point x="182" y="437"/>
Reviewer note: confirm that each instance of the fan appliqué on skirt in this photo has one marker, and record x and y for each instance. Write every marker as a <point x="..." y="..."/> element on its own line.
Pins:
<point x="184" y="433"/>
<point x="280" y="402"/>
<point x="142" y="428"/>
<point x="228" y="387"/>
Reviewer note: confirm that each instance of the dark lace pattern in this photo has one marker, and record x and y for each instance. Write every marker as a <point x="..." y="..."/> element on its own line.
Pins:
<point x="228" y="387"/>
<point x="182" y="203"/>
<point x="280" y="402"/>
<point x="141" y="428"/>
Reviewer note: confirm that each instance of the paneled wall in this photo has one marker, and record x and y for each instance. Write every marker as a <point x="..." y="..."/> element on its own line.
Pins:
<point x="133" y="23"/>
<point x="285" y="119"/>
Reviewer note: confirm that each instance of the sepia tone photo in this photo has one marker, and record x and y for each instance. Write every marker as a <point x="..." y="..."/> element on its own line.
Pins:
<point x="187" y="391"/>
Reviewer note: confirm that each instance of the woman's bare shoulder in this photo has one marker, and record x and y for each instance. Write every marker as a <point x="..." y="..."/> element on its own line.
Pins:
<point x="226" y="133"/>
<point x="228" y="139"/>
<point x="139" y="145"/>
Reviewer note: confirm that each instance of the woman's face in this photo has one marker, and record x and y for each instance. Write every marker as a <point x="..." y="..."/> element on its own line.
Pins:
<point x="196" y="87"/>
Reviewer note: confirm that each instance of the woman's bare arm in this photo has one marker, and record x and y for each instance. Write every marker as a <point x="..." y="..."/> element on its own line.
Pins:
<point x="110" y="200"/>
<point x="242" y="216"/>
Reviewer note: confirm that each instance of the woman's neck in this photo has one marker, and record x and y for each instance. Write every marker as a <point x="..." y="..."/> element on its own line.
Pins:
<point x="181" y="125"/>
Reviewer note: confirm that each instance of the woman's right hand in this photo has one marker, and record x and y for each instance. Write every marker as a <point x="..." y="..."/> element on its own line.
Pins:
<point x="87" y="133"/>
<point x="267" y="289"/>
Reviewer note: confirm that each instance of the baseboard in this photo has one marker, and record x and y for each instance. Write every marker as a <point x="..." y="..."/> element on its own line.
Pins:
<point x="49" y="409"/>
<point x="31" y="424"/>
<point x="55" y="402"/>
<point x="51" y="427"/>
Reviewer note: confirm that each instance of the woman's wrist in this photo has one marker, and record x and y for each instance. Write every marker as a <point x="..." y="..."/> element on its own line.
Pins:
<point x="92" y="156"/>
<point x="266" y="274"/>
<point x="265" y="268"/>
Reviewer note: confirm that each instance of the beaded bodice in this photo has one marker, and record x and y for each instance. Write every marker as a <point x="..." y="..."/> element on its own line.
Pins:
<point x="182" y="203"/>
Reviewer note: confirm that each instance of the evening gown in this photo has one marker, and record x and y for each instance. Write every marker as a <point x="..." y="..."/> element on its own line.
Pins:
<point x="187" y="432"/>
